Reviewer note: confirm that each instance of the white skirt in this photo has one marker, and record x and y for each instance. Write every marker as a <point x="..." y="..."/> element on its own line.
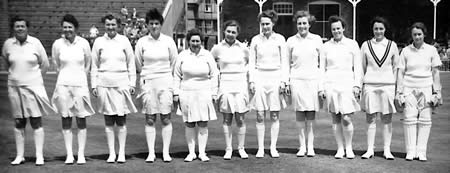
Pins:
<point x="72" y="101"/>
<point x="267" y="92"/>
<point x="340" y="99"/>
<point x="115" y="101"/>
<point x="29" y="101"/>
<point x="233" y="96"/>
<point x="156" y="95"/>
<point x="305" y="95"/>
<point x="378" y="98"/>
<point x="197" y="105"/>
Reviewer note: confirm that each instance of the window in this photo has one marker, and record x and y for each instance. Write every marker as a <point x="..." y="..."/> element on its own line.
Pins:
<point x="322" y="10"/>
<point x="284" y="8"/>
<point x="207" y="26"/>
<point x="208" y="6"/>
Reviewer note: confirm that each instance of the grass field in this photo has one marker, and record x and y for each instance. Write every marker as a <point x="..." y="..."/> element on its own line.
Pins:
<point x="136" y="149"/>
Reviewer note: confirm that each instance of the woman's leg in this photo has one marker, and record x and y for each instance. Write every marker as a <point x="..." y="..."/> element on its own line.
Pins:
<point x="68" y="138"/>
<point x="19" y="133"/>
<point x="150" y="134"/>
<point x="424" y="124"/>
<point x="109" y="130"/>
<point x="240" y="123"/>
<point x="81" y="124"/>
<point x="166" y="134"/>
<point x="36" y="124"/>
<point x="387" y="135"/>
<point x="337" y="130"/>
<point x="260" y="130"/>
<point x="190" y="139"/>
<point x="348" y="135"/>
<point x="274" y="130"/>
<point x="228" y="133"/>
<point x="300" y="117"/>
<point x="202" y="140"/>
<point x="122" y="136"/>
<point x="310" y="121"/>
<point x="410" y="130"/>
<point x="371" y="120"/>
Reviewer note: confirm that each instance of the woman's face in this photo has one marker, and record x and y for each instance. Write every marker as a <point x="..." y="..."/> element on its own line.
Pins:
<point x="337" y="30"/>
<point x="231" y="33"/>
<point x="378" y="30"/>
<point x="266" y="25"/>
<point x="303" y="25"/>
<point x="195" y="43"/>
<point x="417" y="35"/>
<point x="68" y="30"/>
<point x="20" y="29"/>
<point x="154" y="26"/>
<point x="111" y="27"/>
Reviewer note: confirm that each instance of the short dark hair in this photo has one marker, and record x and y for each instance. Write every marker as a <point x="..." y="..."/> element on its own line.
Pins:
<point x="302" y="13"/>
<point x="379" y="19"/>
<point x="231" y="23"/>
<point x="193" y="32"/>
<point x="419" y="25"/>
<point x="332" y="19"/>
<point x="111" y="17"/>
<point x="154" y="14"/>
<point x="71" y="19"/>
<point x="16" y="19"/>
<point x="271" y="14"/>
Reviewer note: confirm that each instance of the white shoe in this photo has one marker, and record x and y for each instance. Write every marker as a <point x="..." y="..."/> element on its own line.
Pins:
<point x="18" y="161"/>
<point x="243" y="154"/>
<point x="111" y="158"/>
<point x="388" y="155"/>
<point x="339" y="154"/>
<point x="39" y="161"/>
<point x="422" y="157"/>
<point x="81" y="160"/>
<point x="228" y="154"/>
<point x="167" y="158"/>
<point x="311" y="152"/>
<point x="121" y="158"/>
<point x="274" y="153"/>
<point x="368" y="155"/>
<point x="301" y="152"/>
<point x="203" y="158"/>
<point x="150" y="158"/>
<point x="69" y="160"/>
<point x="349" y="154"/>
<point x="190" y="157"/>
<point x="260" y="153"/>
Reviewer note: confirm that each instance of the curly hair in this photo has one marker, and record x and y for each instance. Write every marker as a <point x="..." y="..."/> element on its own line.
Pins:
<point x="271" y="14"/>
<point x="302" y="13"/>
<point x="70" y="19"/>
<point x="154" y="14"/>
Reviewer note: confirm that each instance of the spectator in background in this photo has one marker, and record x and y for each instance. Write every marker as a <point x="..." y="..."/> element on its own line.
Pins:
<point x="27" y="63"/>
<point x="72" y="55"/>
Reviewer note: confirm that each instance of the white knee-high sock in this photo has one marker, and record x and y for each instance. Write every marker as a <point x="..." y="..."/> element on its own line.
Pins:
<point x="310" y="133"/>
<point x="39" y="144"/>
<point x="202" y="140"/>
<point x="110" y="139"/>
<point x="228" y="136"/>
<point x="166" y="134"/>
<point x="122" y="140"/>
<point x="150" y="134"/>
<point x="387" y="136"/>
<point x="301" y="134"/>
<point x="260" y="130"/>
<point x="410" y="131"/>
<point x="241" y="136"/>
<point x="81" y="143"/>
<point x="274" y="130"/>
<point x="371" y="132"/>
<point x="20" y="145"/>
<point x="422" y="137"/>
<point x="68" y="138"/>
<point x="190" y="139"/>
<point x="337" y="130"/>
<point x="348" y="136"/>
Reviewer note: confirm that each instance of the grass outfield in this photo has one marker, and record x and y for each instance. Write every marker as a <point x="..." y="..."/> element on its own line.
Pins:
<point x="136" y="148"/>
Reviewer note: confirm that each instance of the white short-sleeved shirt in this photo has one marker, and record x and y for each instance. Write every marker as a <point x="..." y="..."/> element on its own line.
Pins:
<point x="24" y="61"/>
<point x="232" y="60"/>
<point x="71" y="58"/>
<point x="417" y="63"/>
<point x="304" y="56"/>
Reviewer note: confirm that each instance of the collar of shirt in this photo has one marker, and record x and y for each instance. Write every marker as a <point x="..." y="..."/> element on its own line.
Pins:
<point x="412" y="47"/>
<point x="236" y="43"/>
<point x="271" y="37"/>
<point x="151" y="38"/>
<point x="16" y="41"/>
<point x="383" y="42"/>
<point x="77" y="38"/>
<point x="308" y="36"/>
<point x="344" y="40"/>
<point x="202" y="52"/>
<point x="108" y="38"/>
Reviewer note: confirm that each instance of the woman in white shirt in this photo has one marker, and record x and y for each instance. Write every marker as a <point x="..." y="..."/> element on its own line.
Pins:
<point x="379" y="61"/>
<point x="342" y="84"/>
<point x="113" y="77"/>
<point x="72" y="55"/>
<point x="305" y="79"/>
<point x="27" y="62"/>
<point x="418" y="90"/>
<point x="232" y="58"/>
<point x="195" y="77"/>
<point x="155" y="56"/>
<point x="268" y="77"/>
